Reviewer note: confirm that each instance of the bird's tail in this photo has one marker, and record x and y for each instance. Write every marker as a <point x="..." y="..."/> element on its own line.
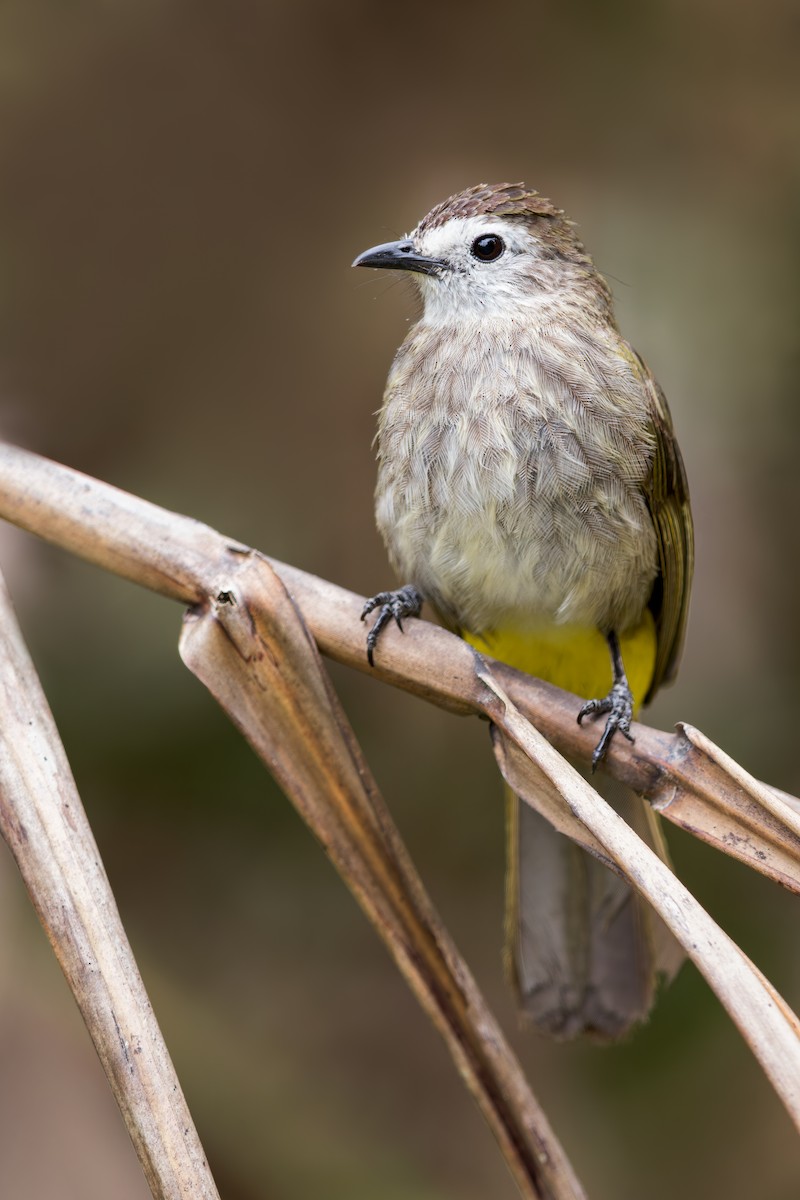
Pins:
<point x="583" y="949"/>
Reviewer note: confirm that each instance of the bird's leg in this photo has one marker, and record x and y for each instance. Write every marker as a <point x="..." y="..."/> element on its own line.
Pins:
<point x="618" y="704"/>
<point x="405" y="602"/>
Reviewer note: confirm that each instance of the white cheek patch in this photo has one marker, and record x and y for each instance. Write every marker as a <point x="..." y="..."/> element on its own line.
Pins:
<point x="470" y="289"/>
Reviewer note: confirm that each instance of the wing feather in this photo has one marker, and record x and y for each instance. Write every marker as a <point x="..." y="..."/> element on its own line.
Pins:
<point x="667" y="494"/>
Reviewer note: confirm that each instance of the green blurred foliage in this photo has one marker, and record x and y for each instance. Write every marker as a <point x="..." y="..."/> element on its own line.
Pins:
<point x="183" y="187"/>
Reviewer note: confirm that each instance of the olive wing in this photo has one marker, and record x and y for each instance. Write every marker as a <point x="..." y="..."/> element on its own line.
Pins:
<point x="667" y="493"/>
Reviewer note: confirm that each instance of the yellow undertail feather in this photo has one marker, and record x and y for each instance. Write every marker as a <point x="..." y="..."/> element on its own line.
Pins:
<point x="573" y="657"/>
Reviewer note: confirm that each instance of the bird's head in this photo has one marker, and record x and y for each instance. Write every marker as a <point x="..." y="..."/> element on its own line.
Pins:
<point x="490" y="251"/>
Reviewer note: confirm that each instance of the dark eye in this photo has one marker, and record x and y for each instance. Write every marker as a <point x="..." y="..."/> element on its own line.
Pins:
<point x="487" y="248"/>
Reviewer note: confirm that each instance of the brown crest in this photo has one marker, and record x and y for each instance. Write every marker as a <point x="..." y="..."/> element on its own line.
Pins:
<point x="491" y="199"/>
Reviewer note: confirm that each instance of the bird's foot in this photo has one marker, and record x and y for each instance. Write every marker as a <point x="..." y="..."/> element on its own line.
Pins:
<point x="619" y="706"/>
<point x="405" y="602"/>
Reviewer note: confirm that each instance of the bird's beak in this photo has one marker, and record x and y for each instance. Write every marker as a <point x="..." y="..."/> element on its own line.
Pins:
<point x="399" y="256"/>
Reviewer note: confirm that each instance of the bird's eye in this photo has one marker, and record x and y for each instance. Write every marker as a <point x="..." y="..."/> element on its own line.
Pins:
<point x="487" y="248"/>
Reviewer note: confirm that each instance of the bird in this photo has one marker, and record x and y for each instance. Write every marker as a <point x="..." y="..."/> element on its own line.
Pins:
<point x="531" y="490"/>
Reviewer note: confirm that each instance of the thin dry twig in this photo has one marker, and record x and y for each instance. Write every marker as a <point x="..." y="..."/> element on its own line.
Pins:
<point x="44" y="823"/>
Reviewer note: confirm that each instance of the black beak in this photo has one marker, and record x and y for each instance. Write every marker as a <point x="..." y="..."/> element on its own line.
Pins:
<point x="399" y="256"/>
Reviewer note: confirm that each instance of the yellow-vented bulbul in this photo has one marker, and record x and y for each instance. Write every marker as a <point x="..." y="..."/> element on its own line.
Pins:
<point x="531" y="489"/>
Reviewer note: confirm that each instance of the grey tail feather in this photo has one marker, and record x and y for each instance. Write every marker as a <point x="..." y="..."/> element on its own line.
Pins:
<point x="584" y="950"/>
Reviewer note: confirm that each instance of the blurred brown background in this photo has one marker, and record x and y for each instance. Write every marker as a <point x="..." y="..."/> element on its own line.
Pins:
<point x="182" y="189"/>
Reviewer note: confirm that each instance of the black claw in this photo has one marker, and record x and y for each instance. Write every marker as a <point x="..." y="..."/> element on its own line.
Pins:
<point x="405" y="602"/>
<point x="612" y="725"/>
<point x="370" y="604"/>
<point x="619" y="706"/>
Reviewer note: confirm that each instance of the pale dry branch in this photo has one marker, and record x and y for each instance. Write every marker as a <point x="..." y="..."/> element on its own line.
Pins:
<point x="683" y="775"/>
<point x="44" y="823"/>
<point x="253" y="652"/>
<point x="546" y="781"/>
<point x="689" y="780"/>
<point x="245" y="639"/>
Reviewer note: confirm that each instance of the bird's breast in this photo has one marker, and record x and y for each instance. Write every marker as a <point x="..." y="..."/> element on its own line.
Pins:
<point x="511" y="473"/>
